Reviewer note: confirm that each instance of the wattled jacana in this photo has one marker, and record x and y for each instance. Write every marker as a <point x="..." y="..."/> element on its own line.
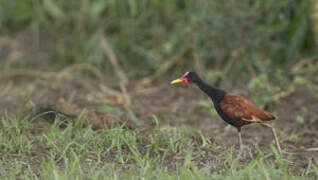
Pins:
<point x="233" y="109"/>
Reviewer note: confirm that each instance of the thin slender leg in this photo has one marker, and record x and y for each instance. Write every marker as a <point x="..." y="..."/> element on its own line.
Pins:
<point x="277" y="141"/>
<point x="275" y="136"/>
<point x="241" y="144"/>
<point x="240" y="138"/>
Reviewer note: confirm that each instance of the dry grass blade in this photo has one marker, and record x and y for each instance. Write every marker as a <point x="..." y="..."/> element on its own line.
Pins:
<point x="197" y="62"/>
<point x="312" y="149"/>
<point x="113" y="59"/>
<point x="250" y="68"/>
<point x="44" y="78"/>
<point x="301" y="151"/>
<point x="94" y="71"/>
<point x="123" y="80"/>
<point x="164" y="68"/>
<point x="86" y="67"/>
<point x="12" y="73"/>
<point x="109" y="91"/>
<point x="6" y="89"/>
<point x="300" y="67"/>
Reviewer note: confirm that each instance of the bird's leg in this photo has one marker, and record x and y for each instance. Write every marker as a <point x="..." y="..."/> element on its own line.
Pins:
<point x="240" y="142"/>
<point x="240" y="138"/>
<point x="275" y="136"/>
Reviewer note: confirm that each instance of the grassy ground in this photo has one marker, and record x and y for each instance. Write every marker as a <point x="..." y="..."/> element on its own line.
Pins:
<point x="30" y="151"/>
<point x="84" y="89"/>
<point x="168" y="133"/>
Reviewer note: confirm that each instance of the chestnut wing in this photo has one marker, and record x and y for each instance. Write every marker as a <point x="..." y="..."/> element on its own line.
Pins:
<point x="237" y="107"/>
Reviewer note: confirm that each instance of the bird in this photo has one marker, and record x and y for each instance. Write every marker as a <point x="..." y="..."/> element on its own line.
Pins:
<point x="233" y="109"/>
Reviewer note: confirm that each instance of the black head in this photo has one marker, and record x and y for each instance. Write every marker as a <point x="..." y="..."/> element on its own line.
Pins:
<point x="191" y="77"/>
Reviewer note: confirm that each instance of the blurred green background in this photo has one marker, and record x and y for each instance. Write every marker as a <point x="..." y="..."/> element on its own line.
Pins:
<point x="68" y="67"/>
<point x="236" y="39"/>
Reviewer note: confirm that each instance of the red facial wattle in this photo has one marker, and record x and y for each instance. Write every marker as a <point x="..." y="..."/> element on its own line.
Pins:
<point x="182" y="79"/>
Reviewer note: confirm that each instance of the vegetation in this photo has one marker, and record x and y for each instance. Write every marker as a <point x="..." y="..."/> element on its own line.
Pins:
<point x="248" y="36"/>
<point x="84" y="88"/>
<point x="119" y="153"/>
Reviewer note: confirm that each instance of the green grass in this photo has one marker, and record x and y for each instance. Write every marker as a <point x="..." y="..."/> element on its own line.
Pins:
<point x="40" y="150"/>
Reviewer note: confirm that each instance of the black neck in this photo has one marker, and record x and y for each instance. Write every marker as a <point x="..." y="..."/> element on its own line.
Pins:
<point x="216" y="94"/>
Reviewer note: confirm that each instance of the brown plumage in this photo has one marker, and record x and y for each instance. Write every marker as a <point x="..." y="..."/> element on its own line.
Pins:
<point x="238" y="108"/>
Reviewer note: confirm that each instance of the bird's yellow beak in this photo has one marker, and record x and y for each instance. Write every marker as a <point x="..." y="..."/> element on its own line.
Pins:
<point x="176" y="81"/>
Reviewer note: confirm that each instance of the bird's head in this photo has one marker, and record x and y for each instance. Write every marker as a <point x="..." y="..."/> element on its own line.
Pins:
<point x="191" y="77"/>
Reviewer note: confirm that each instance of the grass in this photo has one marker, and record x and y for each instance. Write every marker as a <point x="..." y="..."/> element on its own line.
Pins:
<point x="37" y="150"/>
